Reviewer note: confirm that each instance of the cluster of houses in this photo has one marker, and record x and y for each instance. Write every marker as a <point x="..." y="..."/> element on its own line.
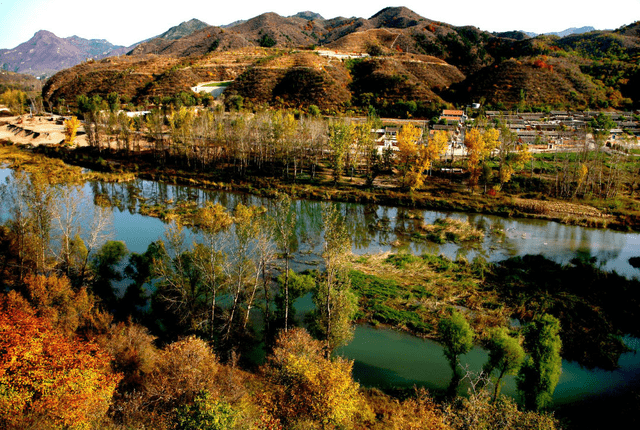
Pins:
<point x="539" y="130"/>
<point x="564" y="127"/>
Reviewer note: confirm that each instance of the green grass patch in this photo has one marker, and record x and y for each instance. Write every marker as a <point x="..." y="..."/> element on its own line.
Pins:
<point x="401" y="260"/>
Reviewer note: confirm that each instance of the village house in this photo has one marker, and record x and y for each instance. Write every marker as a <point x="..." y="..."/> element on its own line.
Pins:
<point x="455" y="116"/>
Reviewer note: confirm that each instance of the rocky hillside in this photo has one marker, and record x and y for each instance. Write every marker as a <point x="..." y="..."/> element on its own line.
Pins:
<point x="19" y="81"/>
<point x="159" y="44"/>
<point x="408" y="65"/>
<point x="45" y="53"/>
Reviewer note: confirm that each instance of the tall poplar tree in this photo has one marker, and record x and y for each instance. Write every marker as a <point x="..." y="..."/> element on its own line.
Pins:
<point x="541" y="370"/>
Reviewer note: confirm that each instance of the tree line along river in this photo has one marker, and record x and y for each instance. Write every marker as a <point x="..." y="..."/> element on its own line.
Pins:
<point x="384" y="357"/>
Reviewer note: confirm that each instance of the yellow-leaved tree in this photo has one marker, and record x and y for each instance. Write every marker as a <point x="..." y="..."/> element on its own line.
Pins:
<point x="407" y="154"/>
<point x="309" y="390"/>
<point x="512" y="155"/>
<point x="479" y="146"/>
<point x="70" y="129"/>
<point x="436" y="147"/>
<point x="15" y="100"/>
<point x="426" y="155"/>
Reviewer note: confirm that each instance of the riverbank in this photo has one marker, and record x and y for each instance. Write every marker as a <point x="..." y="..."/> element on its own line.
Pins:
<point x="218" y="165"/>
<point x="412" y="293"/>
<point x="438" y="193"/>
<point x="400" y="217"/>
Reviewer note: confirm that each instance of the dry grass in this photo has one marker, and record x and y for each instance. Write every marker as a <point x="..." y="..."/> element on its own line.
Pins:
<point x="449" y="230"/>
<point x="57" y="171"/>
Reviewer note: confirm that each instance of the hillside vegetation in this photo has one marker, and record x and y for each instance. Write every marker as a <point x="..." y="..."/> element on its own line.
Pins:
<point x="396" y="56"/>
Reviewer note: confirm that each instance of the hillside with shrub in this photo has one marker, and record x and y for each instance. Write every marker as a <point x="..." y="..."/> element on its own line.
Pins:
<point x="396" y="56"/>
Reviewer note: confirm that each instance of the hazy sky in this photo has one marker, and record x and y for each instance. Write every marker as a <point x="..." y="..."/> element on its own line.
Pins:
<point x="125" y="22"/>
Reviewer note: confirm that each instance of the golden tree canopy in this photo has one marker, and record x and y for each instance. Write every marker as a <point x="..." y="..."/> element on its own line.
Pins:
<point x="46" y="378"/>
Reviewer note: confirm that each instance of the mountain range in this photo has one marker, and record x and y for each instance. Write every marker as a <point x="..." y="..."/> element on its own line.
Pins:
<point x="407" y="65"/>
<point x="45" y="53"/>
<point x="564" y="33"/>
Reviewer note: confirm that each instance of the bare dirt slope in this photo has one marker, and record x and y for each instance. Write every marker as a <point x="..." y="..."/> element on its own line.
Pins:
<point x="26" y="130"/>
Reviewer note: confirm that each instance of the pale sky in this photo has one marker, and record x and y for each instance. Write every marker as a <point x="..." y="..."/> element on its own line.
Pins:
<point x="125" y="22"/>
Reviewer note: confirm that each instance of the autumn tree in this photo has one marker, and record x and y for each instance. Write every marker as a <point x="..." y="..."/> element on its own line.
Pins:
<point x="241" y="268"/>
<point x="20" y="222"/>
<point x="182" y="370"/>
<point x="284" y="221"/>
<point x="309" y="389"/>
<point x="96" y="228"/>
<point x="408" y="149"/>
<point x="179" y="283"/>
<point x="336" y="304"/>
<point x="15" y="100"/>
<point x="435" y="148"/>
<point x="287" y="142"/>
<point x="512" y="155"/>
<point x="154" y="126"/>
<point x="32" y="203"/>
<point x="368" y="148"/>
<point x="264" y="254"/>
<point x="181" y="127"/>
<point x="505" y="356"/>
<point x="478" y="411"/>
<point x="299" y="285"/>
<point x="541" y="370"/>
<point x="54" y="299"/>
<point x="209" y="256"/>
<point x="133" y="353"/>
<point x="426" y="155"/>
<point x="414" y="412"/>
<point x="479" y="146"/>
<point x="164" y="387"/>
<point x="70" y="129"/>
<point x="67" y="228"/>
<point x="457" y="337"/>
<point x="48" y="380"/>
<point x="339" y="140"/>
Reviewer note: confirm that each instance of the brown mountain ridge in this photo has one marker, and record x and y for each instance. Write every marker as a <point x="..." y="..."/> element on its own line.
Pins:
<point x="405" y="58"/>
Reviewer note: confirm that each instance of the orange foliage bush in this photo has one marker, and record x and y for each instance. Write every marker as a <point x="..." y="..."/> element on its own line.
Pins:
<point x="46" y="379"/>
<point x="54" y="299"/>
<point x="183" y="369"/>
<point x="419" y="412"/>
<point x="133" y="352"/>
<point x="541" y="64"/>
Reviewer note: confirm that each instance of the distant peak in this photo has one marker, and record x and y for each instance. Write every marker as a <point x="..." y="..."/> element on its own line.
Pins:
<point x="567" y="32"/>
<point x="41" y="33"/>
<point x="195" y="21"/>
<point x="308" y="15"/>
<point x="396" y="17"/>
<point x="394" y="10"/>
<point x="184" y="29"/>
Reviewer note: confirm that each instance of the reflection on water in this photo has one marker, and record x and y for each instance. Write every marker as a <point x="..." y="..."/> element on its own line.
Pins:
<point x="376" y="228"/>
<point x="387" y="358"/>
